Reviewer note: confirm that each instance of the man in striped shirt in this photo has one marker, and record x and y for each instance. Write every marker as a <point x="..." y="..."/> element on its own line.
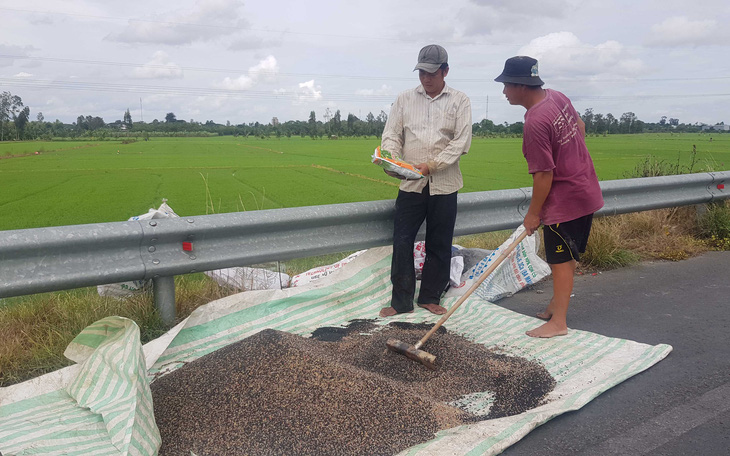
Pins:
<point x="430" y="127"/>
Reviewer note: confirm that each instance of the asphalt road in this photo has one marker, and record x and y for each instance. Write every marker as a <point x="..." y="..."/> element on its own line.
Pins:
<point x="679" y="406"/>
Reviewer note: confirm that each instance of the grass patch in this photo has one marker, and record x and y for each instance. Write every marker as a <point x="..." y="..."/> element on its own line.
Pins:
<point x="714" y="225"/>
<point x="36" y="329"/>
<point x="662" y="234"/>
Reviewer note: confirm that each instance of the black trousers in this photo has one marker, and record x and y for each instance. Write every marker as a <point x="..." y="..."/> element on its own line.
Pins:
<point x="439" y="212"/>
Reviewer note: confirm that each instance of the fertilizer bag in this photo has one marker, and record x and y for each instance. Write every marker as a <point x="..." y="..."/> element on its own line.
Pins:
<point x="385" y="159"/>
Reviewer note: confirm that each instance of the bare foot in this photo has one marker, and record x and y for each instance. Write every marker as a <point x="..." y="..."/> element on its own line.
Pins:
<point x="547" y="314"/>
<point x="547" y="330"/>
<point x="434" y="308"/>
<point x="389" y="312"/>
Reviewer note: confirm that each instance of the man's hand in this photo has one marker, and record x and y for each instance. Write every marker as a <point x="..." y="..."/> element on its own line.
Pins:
<point x="532" y="223"/>
<point x="423" y="168"/>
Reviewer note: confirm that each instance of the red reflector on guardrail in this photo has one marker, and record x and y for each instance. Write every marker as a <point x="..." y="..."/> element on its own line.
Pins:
<point x="721" y="186"/>
<point x="187" y="246"/>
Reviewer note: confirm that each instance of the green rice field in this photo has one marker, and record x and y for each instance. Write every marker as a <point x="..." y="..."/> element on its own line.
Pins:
<point x="76" y="182"/>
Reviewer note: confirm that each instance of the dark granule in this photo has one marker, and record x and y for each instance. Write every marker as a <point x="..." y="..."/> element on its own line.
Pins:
<point x="277" y="393"/>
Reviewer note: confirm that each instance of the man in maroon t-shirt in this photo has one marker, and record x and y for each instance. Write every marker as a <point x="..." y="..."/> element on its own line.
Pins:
<point x="565" y="189"/>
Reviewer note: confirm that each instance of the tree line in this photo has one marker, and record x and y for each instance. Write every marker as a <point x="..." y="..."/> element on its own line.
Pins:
<point x="16" y="124"/>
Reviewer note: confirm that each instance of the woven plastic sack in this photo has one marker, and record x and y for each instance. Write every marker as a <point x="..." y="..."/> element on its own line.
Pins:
<point x="521" y="268"/>
<point x="320" y="272"/>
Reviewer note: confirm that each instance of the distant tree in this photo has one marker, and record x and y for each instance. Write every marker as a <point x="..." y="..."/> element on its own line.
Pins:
<point x="95" y="123"/>
<point x="517" y="128"/>
<point x="57" y="129"/>
<point x="351" y="122"/>
<point x="611" y="123"/>
<point x="370" y="118"/>
<point x="81" y="123"/>
<point x="312" y="124"/>
<point x="127" y="119"/>
<point x="337" y="123"/>
<point x="674" y="122"/>
<point x="599" y="123"/>
<point x="588" y="119"/>
<point x="39" y="117"/>
<point x="627" y="122"/>
<point x="484" y="127"/>
<point x="170" y="118"/>
<point x="21" y="120"/>
<point x="663" y="120"/>
<point x="380" y="122"/>
<point x="10" y="106"/>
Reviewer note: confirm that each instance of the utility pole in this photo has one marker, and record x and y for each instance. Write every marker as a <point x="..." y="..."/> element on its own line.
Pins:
<point x="140" y="110"/>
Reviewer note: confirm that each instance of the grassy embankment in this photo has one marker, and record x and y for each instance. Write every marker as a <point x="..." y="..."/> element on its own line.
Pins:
<point x="71" y="183"/>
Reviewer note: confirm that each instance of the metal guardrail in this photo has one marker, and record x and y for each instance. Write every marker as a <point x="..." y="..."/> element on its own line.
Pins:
<point x="58" y="258"/>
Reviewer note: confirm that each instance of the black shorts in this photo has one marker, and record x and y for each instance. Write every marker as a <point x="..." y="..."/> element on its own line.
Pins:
<point x="565" y="241"/>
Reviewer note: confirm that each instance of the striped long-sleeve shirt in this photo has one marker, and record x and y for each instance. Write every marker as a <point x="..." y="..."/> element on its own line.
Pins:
<point x="436" y="131"/>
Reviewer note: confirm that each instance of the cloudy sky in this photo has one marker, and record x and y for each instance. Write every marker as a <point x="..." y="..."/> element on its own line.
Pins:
<point x="247" y="61"/>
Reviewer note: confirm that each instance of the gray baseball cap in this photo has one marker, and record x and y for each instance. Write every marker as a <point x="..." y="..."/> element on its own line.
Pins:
<point x="431" y="58"/>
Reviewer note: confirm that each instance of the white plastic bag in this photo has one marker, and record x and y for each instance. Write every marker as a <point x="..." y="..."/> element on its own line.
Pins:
<point x="456" y="268"/>
<point x="124" y="289"/>
<point x="247" y="279"/>
<point x="164" y="211"/>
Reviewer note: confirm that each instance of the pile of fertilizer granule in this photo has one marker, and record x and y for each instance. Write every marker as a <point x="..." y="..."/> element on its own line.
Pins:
<point x="339" y="392"/>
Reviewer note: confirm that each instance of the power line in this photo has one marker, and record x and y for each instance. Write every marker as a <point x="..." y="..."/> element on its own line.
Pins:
<point x="336" y="76"/>
<point x="272" y="95"/>
<point x="202" y="69"/>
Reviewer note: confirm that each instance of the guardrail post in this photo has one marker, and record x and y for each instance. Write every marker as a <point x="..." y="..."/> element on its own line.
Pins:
<point x="164" y="293"/>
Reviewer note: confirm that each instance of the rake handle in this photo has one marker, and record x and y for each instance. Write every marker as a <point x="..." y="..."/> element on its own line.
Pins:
<point x="471" y="289"/>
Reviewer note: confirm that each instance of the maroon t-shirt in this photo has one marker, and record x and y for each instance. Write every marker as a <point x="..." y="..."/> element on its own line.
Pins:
<point x="553" y="142"/>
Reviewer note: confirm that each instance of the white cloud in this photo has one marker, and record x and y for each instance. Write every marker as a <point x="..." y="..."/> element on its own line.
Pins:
<point x="682" y="31"/>
<point x="309" y="92"/>
<point x="159" y="68"/>
<point x="23" y="75"/>
<point x="565" y="55"/>
<point x="208" y="20"/>
<point x="265" y="70"/>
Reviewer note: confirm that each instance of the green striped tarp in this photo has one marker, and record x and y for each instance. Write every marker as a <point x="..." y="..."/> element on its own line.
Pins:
<point x="106" y="407"/>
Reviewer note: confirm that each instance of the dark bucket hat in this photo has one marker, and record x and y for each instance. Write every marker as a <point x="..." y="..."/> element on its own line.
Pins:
<point x="520" y="70"/>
